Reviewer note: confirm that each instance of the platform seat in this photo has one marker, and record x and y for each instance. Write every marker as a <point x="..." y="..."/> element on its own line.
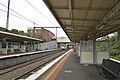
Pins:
<point x="111" y="69"/>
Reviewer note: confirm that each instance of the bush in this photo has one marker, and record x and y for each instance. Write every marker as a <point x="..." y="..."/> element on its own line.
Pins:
<point x="15" y="31"/>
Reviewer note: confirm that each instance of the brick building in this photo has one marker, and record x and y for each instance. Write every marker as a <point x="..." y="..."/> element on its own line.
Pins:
<point x="42" y="32"/>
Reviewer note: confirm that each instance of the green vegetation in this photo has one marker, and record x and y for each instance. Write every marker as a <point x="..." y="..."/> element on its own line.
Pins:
<point x="114" y="45"/>
<point x="4" y="29"/>
<point x="116" y="57"/>
<point x="102" y="46"/>
<point x="15" y="31"/>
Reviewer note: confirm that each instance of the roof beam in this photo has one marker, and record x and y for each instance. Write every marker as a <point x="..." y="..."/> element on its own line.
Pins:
<point x="79" y="19"/>
<point x="82" y="8"/>
<point x="116" y="28"/>
<point x="71" y="12"/>
<point x="109" y="29"/>
<point x="108" y="17"/>
<point x="109" y="14"/>
<point x="64" y="25"/>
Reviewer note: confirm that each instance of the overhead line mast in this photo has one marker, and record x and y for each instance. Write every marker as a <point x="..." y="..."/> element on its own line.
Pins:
<point x="7" y="21"/>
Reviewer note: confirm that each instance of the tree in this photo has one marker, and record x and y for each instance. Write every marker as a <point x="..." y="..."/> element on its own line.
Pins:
<point x="21" y="32"/>
<point x="15" y="31"/>
<point x="4" y="29"/>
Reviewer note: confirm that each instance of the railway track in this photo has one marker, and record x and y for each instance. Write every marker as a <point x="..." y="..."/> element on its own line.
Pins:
<point x="21" y="71"/>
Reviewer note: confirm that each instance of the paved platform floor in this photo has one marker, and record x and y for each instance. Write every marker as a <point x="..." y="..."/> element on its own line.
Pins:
<point x="72" y="70"/>
<point x="69" y="68"/>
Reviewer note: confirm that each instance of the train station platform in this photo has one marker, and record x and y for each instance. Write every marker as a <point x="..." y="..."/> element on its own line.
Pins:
<point x="68" y="68"/>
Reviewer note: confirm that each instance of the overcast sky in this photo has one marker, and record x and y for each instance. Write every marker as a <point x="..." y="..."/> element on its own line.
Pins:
<point x="24" y="8"/>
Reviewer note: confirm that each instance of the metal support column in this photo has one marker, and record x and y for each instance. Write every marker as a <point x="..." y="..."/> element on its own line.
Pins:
<point x="6" y="47"/>
<point x="108" y="45"/>
<point x="75" y="47"/>
<point x="94" y="49"/>
<point x="31" y="46"/>
<point x="34" y="31"/>
<point x="80" y="46"/>
<point x="56" y="33"/>
<point x="37" y="46"/>
<point x="80" y="50"/>
<point x="56" y="38"/>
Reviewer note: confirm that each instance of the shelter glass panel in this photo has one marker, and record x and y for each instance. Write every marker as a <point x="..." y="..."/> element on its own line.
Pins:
<point x="87" y="45"/>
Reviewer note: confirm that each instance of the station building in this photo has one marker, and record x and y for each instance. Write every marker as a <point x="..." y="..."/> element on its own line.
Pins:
<point x="42" y="32"/>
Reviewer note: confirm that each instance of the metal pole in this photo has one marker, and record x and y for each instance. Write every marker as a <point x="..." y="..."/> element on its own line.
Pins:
<point x="56" y="37"/>
<point x="80" y="51"/>
<point x="7" y="22"/>
<point x="108" y="45"/>
<point x="94" y="49"/>
<point x="34" y="24"/>
<point x="56" y="33"/>
<point x="34" y="31"/>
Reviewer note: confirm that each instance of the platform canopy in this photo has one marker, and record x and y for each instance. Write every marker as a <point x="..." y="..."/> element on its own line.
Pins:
<point x="16" y="37"/>
<point x="80" y="19"/>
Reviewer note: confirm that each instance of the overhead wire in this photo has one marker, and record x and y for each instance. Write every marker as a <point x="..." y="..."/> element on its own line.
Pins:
<point x="39" y="11"/>
<point x="13" y="14"/>
<point x="24" y="18"/>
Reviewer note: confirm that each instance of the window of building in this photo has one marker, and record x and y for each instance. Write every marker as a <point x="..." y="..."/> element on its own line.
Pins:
<point x="20" y="46"/>
<point x="9" y="45"/>
<point x="3" y="45"/>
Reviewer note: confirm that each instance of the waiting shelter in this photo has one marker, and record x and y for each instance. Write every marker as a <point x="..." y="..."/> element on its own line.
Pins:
<point x="14" y="43"/>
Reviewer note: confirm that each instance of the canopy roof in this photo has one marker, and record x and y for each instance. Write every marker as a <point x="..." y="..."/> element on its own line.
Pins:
<point x="80" y="19"/>
<point x="16" y="37"/>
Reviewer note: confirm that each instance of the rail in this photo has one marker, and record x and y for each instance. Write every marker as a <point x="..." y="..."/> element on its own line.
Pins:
<point x="19" y="70"/>
<point x="11" y="60"/>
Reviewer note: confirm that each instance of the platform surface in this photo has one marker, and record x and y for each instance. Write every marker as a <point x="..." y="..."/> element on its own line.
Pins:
<point x="69" y="68"/>
<point x="72" y="70"/>
<point x="21" y="54"/>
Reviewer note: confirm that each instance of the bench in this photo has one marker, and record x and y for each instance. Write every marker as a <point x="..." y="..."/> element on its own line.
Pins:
<point x="111" y="69"/>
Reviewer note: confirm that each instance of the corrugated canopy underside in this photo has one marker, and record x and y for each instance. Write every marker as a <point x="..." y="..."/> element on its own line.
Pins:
<point x="80" y="19"/>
